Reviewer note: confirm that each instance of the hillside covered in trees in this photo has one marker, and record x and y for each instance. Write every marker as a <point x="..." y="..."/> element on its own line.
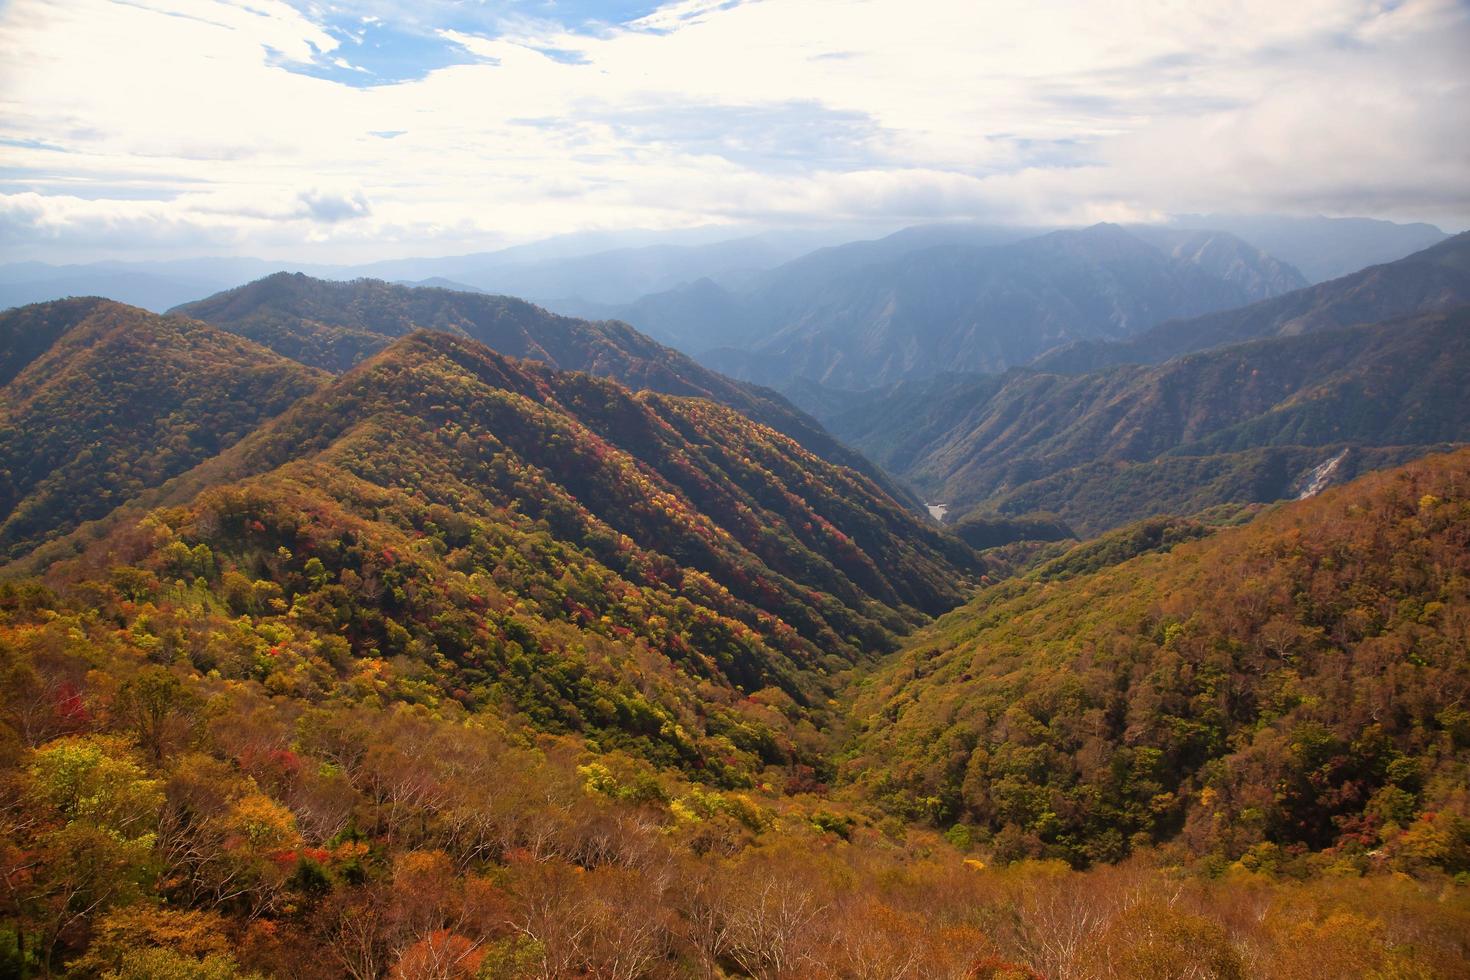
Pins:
<point x="1291" y="690"/>
<point x="101" y="401"/>
<point x="1250" y="422"/>
<point x="334" y="325"/>
<point x="206" y="774"/>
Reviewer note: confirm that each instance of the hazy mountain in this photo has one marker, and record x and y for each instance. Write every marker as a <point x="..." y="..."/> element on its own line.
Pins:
<point x="701" y="315"/>
<point x="1241" y="423"/>
<point x="576" y="273"/>
<point x="101" y="401"/>
<point x="439" y="282"/>
<point x="1323" y="248"/>
<point x="1437" y="278"/>
<point x="981" y="308"/>
<point x="1223" y="255"/>
<point x="145" y="290"/>
<point x="334" y="325"/>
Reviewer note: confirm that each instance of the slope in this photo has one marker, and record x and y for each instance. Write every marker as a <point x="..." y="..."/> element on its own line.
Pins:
<point x="1224" y="425"/>
<point x="1295" y="683"/>
<point x="504" y="533"/>
<point x="1437" y="278"/>
<point x="102" y="400"/>
<point x="334" y="325"/>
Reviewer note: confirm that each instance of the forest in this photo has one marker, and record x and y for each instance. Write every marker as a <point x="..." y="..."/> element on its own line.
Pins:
<point x="454" y="665"/>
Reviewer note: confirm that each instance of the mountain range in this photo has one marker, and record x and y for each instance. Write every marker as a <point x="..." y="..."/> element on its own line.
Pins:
<point x="862" y="316"/>
<point x="609" y="274"/>
<point x="1247" y="421"/>
<point x="439" y="479"/>
<point x="384" y="630"/>
<point x="1322" y="248"/>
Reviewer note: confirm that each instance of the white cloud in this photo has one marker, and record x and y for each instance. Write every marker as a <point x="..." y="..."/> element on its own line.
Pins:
<point x="188" y="124"/>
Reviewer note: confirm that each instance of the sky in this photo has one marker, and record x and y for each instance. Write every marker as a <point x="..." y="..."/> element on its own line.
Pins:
<point x="386" y="128"/>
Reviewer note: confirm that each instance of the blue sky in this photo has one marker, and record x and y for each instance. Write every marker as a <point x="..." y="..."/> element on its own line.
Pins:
<point x="384" y="44"/>
<point x="328" y="131"/>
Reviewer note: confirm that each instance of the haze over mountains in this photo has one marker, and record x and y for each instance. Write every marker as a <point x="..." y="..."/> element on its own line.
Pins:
<point x="982" y="307"/>
<point x="598" y="275"/>
<point x="566" y="271"/>
<point x="1429" y="280"/>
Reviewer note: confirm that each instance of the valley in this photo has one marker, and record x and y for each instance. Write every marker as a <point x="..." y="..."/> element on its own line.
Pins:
<point x="365" y="629"/>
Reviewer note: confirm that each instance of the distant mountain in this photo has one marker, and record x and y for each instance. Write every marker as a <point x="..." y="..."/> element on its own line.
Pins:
<point x="576" y="274"/>
<point x="101" y="401"/>
<point x="1266" y="688"/>
<point x="1242" y="423"/>
<point x="334" y="325"/>
<point x="1437" y="278"/>
<point x="1258" y="274"/>
<point x="946" y="298"/>
<point x="145" y="290"/>
<point x="1323" y="248"/>
<point x="702" y="314"/>
<point x="439" y="282"/>
<point x="981" y="308"/>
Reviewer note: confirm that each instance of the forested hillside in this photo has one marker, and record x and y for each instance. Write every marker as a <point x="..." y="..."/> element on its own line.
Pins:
<point x="334" y="325"/>
<point x="1289" y="691"/>
<point x="101" y="401"/>
<point x="440" y="484"/>
<point x="1251" y="422"/>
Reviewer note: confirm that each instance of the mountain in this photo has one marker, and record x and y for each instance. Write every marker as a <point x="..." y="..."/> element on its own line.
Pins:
<point x="347" y="741"/>
<point x="1437" y="278"/>
<point x="101" y="400"/>
<point x="1273" y="688"/>
<point x="700" y="314"/>
<point x="439" y="282"/>
<point x="1259" y="275"/>
<point x="1243" y="423"/>
<point x="582" y="275"/>
<point x="1322" y="248"/>
<point x="334" y="325"/>
<point x="860" y="318"/>
<point x="531" y="536"/>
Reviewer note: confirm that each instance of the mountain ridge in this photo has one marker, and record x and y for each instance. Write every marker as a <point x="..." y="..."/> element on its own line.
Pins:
<point x="334" y="325"/>
<point x="973" y="439"/>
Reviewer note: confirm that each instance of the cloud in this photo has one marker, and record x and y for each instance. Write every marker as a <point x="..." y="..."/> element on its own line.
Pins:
<point x="334" y="206"/>
<point x="200" y="123"/>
